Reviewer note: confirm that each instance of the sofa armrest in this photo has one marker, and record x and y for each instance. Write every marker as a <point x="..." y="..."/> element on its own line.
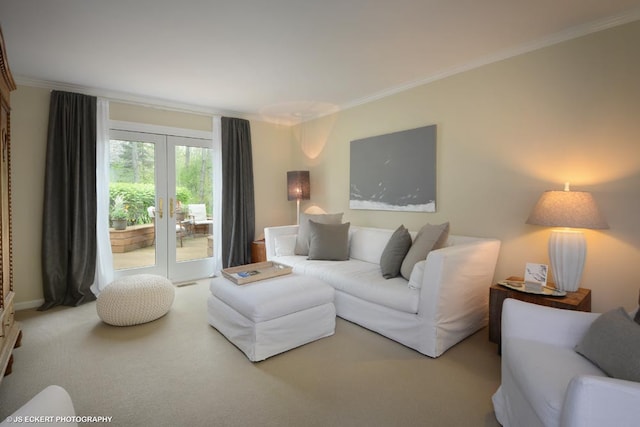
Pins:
<point x="457" y="278"/>
<point x="564" y="328"/>
<point x="592" y="401"/>
<point x="270" y="234"/>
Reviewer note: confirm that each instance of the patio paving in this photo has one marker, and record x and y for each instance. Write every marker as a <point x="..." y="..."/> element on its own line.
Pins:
<point x="192" y="248"/>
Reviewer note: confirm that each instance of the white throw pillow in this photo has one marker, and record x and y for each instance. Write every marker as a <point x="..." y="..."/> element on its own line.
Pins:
<point x="285" y="245"/>
<point x="417" y="275"/>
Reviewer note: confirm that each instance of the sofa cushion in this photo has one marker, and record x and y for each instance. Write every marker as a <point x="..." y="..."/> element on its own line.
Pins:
<point x="361" y="279"/>
<point x="429" y="237"/>
<point x="272" y="298"/>
<point x="613" y="344"/>
<point x="394" y="252"/>
<point x="328" y="241"/>
<point x="302" y="240"/>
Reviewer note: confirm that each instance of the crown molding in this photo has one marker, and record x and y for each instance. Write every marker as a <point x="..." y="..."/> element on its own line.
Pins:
<point x="128" y="98"/>
<point x="562" y="36"/>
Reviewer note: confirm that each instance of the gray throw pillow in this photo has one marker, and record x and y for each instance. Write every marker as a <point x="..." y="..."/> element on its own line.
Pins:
<point x="430" y="237"/>
<point x="302" y="241"/>
<point x="394" y="252"/>
<point x="328" y="241"/>
<point x="613" y="344"/>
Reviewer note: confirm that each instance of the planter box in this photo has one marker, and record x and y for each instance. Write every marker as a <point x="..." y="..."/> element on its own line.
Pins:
<point x="134" y="237"/>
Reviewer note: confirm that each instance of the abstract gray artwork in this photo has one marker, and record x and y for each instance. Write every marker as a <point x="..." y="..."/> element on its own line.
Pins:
<point x="395" y="172"/>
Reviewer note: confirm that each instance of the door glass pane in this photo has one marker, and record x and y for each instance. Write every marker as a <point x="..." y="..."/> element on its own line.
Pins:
<point x="132" y="198"/>
<point x="194" y="205"/>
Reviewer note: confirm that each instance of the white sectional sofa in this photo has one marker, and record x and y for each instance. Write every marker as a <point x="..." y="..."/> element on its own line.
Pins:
<point x="444" y="301"/>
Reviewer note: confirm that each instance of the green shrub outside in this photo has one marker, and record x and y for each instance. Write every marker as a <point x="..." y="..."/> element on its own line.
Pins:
<point x="138" y="197"/>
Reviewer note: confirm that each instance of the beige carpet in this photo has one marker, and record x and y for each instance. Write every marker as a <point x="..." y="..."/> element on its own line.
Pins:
<point x="179" y="371"/>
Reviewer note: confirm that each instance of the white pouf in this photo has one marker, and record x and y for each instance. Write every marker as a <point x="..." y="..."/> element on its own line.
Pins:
<point x="271" y="316"/>
<point x="136" y="299"/>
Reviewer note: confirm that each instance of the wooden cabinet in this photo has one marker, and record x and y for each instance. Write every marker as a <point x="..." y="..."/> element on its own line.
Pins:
<point x="10" y="333"/>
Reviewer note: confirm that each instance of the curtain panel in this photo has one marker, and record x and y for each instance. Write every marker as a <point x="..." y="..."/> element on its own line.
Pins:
<point x="238" y="205"/>
<point x="104" y="257"/>
<point x="69" y="214"/>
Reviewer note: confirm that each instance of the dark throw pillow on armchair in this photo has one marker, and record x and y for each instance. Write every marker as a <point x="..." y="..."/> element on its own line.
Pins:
<point x="613" y="344"/>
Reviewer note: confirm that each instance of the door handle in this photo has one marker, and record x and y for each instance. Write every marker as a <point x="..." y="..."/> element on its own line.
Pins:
<point x="160" y="207"/>
<point x="171" y="208"/>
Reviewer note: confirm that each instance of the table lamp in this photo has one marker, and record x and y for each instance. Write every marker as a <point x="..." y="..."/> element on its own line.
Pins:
<point x="567" y="246"/>
<point x="298" y="188"/>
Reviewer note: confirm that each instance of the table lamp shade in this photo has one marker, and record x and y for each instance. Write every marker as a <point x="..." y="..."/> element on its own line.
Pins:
<point x="298" y="185"/>
<point x="567" y="248"/>
<point x="574" y="209"/>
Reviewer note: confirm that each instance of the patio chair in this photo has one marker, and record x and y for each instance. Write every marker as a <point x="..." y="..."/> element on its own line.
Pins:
<point x="180" y="230"/>
<point x="198" y="216"/>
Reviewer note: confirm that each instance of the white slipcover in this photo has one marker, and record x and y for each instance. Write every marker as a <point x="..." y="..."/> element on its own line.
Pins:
<point x="546" y="383"/>
<point x="268" y="317"/>
<point x="450" y="304"/>
<point x="52" y="407"/>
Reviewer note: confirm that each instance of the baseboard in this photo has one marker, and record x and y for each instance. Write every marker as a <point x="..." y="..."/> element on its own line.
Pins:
<point x="26" y="305"/>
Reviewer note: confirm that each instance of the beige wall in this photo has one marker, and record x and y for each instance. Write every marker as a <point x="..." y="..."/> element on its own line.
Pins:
<point x="159" y="116"/>
<point x="29" y="120"/>
<point x="30" y="109"/>
<point x="507" y="132"/>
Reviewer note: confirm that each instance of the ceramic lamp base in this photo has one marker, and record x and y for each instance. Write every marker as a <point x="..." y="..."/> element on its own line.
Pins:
<point x="567" y="252"/>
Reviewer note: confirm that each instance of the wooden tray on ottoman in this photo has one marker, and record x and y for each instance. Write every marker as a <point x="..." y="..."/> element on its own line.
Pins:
<point x="248" y="273"/>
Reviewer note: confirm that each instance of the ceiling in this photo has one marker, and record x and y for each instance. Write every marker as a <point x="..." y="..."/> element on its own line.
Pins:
<point x="279" y="60"/>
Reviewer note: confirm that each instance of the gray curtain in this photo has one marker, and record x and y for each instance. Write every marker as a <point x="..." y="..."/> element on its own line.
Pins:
<point x="238" y="205"/>
<point x="69" y="215"/>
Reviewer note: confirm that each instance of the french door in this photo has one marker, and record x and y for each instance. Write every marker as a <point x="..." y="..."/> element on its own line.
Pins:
<point x="165" y="185"/>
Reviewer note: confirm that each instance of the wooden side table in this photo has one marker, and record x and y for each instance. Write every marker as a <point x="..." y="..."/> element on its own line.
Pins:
<point x="258" y="251"/>
<point x="579" y="301"/>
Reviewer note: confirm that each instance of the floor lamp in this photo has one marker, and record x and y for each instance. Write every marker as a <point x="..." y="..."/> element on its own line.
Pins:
<point x="298" y="188"/>
<point x="567" y="246"/>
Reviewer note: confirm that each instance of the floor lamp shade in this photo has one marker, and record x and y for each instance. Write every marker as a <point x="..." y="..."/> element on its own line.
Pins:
<point x="567" y="247"/>
<point x="298" y="185"/>
<point x="298" y="188"/>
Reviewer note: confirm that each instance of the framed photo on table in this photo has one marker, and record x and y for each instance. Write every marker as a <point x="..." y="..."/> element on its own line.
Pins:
<point x="536" y="274"/>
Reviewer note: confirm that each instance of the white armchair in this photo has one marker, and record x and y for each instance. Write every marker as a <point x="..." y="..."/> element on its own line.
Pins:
<point x="546" y="383"/>
<point x="53" y="404"/>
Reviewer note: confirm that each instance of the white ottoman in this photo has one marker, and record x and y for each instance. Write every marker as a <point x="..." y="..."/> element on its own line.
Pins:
<point x="136" y="299"/>
<point x="268" y="317"/>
